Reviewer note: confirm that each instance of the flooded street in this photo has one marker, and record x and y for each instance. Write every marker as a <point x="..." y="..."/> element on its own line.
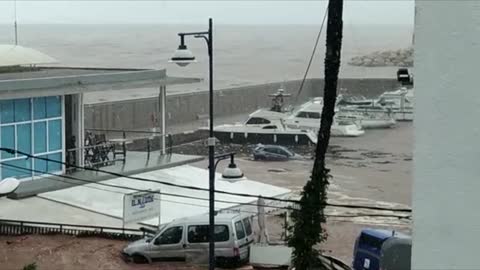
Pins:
<point x="371" y="170"/>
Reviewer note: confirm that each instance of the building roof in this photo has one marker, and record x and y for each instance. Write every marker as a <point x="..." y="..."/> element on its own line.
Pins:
<point x="109" y="200"/>
<point x="45" y="81"/>
<point x="14" y="55"/>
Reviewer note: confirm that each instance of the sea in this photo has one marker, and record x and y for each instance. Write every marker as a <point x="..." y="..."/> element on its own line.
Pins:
<point x="243" y="54"/>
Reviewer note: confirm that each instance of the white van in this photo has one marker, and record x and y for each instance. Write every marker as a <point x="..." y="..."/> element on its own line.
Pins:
<point x="233" y="236"/>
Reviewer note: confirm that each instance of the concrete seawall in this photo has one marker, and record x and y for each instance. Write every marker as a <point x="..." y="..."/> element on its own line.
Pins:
<point x="141" y="114"/>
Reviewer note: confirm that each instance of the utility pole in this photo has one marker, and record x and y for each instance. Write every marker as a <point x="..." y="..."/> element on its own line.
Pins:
<point x="308" y="220"/>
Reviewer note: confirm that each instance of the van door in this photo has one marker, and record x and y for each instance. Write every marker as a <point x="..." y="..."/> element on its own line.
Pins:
<point x="197" y="240"/>
<point x="168" y="244"/>
<point x="242" y="239"/>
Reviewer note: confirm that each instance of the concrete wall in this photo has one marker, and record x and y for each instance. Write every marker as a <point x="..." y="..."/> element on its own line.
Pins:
<point x="446" y="227"/>
<point x="184" y="108"/>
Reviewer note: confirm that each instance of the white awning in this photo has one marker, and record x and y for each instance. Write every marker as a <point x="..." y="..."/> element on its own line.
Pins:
<point x="14" y="55"/>
<point x="109" y="200"/>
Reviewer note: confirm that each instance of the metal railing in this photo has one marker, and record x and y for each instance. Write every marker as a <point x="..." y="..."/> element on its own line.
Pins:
<point x="22" y="227"/>
<point x="151" y="138"/>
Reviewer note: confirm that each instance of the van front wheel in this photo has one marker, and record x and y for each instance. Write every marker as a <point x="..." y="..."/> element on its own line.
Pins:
<point x="140" y="259"/>
<point x="228" y="262"/>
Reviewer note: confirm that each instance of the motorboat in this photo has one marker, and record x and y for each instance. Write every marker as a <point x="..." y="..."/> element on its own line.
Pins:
<point x="308" y="117"/>
<point x="368" y="116"/>
<point x="399" y="103"/>
<point x="266" y="127"/>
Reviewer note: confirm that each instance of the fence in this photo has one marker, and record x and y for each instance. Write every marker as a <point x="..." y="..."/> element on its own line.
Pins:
<point x="21" y="227"/>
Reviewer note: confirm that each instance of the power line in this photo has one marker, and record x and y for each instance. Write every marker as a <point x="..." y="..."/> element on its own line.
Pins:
<point x="13" y="151"/>
<point x="189" y="197"/>
<point x="139" y="190"/>
<point x="312" y="56"/>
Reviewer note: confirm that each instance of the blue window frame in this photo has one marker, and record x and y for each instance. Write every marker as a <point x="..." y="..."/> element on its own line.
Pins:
<point x="54" y="135"/>
<point x="40" y="139"/>
<point x="39" y="108"/>
<point x="54" y="108"/>
<point x="19" y="168"/>
<point x="40" y="165"/>
<point x="8" y="140"/>
<point x="35" y="126"/>
<point x="54" y="166"/>
<point x="22" y="110"/>
<point x="24" y="138"/>
<point x="7" y="112"/>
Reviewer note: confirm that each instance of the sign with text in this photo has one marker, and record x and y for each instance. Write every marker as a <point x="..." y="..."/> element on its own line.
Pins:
<point x="140" y="206"/>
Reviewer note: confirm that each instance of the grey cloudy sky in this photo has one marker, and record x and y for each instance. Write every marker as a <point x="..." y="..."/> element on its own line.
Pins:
<point x="227" y="12"/>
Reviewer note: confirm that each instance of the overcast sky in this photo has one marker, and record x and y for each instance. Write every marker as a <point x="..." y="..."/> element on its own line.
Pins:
<point x="226" y="12"/>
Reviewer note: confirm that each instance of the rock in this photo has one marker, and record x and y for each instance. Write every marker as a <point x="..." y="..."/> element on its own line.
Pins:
<point x="367" y="62"/>
<point x="400" y="57"/>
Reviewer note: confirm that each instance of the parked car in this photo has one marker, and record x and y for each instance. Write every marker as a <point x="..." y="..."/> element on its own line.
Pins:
<point x="187" y="236"/>
<point x="273" y="152"/>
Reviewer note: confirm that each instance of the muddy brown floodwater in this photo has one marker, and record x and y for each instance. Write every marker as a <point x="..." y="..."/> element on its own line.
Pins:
<point x="372" y="170"/>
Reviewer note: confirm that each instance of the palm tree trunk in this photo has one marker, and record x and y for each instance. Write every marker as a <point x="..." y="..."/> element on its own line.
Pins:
<point x="308" y="220"/>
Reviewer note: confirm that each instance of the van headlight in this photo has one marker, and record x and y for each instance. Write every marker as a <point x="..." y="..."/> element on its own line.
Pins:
<point x="126" y="250"/>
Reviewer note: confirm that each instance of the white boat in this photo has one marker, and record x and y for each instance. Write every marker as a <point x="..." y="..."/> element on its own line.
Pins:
<point x="368" y="116"/>
<point x="400" y="102"/>
<point x="266" y="127"/>
<point x="308" y="117"/>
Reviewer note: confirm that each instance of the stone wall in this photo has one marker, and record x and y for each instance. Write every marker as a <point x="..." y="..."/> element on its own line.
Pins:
<point x="190" y="107"/>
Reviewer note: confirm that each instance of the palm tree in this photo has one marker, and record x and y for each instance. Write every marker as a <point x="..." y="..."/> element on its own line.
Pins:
<point x="308" y="220"/>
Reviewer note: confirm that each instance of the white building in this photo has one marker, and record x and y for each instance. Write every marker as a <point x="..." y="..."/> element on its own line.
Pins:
<point x="42" y="113"/>
<point x="446" y="191"/>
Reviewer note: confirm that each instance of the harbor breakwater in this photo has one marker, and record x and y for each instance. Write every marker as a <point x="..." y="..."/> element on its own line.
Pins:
<point x="397" y="58"/>
<point x="182" y="108"/>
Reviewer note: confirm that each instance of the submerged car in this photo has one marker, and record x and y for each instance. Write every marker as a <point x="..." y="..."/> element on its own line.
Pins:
<point x="186" y="236"/>
<point x="273" y="152"/>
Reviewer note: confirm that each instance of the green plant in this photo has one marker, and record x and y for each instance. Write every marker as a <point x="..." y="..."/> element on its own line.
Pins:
<point x="307" y="230"/>
<point x="32" y="266"/>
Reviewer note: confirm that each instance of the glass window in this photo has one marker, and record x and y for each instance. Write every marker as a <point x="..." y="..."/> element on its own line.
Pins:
<point x="54" y="166"/>
<point x="270" y="127"/>
<point x="40" y="165"/>
<point x="7" y="113"/>
<point x="370" y="241"/>
<point x="199" y="233"/>
<point x="239" y="230"/>
<point x="24" y="138"/>
<point x="39" y="108"/>
<point x="54" y="135"/>
<point x="7" y="140"/>
<point x="314" y="115"/>
<point x="257" y="121"/>
<point x="302" y="115"/>
<point x="19" y="168"/>
<point x="54" y="108"/>
<point x="40" y="137"/>
<point x="170" y="236"/>
<point x="22" y="110"/>
<point x="248" y="226"/>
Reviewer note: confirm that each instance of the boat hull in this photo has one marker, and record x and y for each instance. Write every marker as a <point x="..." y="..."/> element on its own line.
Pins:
<point x="264" y="138"/>
<point x="377" y="124"/>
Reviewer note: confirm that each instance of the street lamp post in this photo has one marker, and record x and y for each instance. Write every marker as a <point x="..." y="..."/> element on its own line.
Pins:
<point x="183" y="57"/>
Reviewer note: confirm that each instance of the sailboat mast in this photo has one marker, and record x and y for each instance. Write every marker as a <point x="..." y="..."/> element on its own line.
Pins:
<point x="15" y="21"/>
